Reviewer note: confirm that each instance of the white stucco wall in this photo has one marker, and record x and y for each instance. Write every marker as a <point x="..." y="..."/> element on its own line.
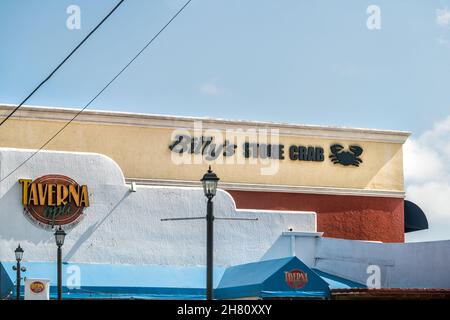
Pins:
<point x="124" y="227"/>
<point x="295" y="243"/>
<point x="402" y="265"/>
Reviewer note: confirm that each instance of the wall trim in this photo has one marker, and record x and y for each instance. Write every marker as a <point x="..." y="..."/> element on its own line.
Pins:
<point x="182" y="122"/>
<point x="302" y="234"/>
<point x="274" y="188"/>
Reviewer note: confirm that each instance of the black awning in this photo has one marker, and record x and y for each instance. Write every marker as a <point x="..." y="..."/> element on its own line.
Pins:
<point x="415" y="218"/>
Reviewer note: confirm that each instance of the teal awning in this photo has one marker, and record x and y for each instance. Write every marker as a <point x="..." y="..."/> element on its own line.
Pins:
<point x="270" y="279"/>
<point x="335" y="282"/>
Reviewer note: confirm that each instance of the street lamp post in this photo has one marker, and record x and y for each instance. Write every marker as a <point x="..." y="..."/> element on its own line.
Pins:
<point x="209" y="181"/>
<point x="19" y="255"/>
<point x="59" y="238"/>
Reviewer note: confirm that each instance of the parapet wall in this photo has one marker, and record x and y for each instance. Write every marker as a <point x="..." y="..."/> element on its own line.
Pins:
<point x="401" y="265"/>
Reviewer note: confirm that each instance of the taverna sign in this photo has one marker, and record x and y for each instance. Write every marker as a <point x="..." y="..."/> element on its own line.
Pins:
<point x="54" y="200"/>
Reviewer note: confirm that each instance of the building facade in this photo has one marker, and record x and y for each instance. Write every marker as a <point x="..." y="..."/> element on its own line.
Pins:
<point x="321" y="203"/>
<point x="352" y="178"/>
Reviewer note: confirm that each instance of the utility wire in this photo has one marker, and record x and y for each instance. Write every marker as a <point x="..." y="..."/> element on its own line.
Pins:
<point x="62" y="62"/>
<point x="99" y="93"/>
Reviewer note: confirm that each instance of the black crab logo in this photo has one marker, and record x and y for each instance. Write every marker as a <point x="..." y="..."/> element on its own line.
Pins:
<point x="346" y="158"/>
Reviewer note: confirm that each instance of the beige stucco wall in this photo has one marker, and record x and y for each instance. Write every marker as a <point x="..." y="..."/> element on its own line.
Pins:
<point x="142" y="152"/>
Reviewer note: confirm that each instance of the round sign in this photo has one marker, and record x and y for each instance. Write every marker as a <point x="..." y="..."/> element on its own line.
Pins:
<point x="296" y="278"/>
<point x="37" y="287"/>
<point x="55" y="200"/>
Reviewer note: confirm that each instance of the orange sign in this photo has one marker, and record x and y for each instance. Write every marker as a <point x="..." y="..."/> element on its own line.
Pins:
<point x="296" y="278"/>
<point x="54" y="200"/>
<point x="37" y="287"/>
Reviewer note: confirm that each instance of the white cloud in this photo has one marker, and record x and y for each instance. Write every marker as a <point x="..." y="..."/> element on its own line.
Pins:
<point x="427" y="177"/>
<point x="443" y="17"/>
<point x="421" y="162"/>
<point x="211" y="88"/>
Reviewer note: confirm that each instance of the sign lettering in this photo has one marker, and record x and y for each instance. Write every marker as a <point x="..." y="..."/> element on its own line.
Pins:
<point x="296" y="278"/>
<point x="212" y="150"/>
<point x="54" y="200"/>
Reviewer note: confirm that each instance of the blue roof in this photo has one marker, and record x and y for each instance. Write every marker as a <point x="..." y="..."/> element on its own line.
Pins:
<point x="258" y="279"/>
<point x="252" y="273"/>
<point x="267" y="279"/>
<point x="336" y="282"/>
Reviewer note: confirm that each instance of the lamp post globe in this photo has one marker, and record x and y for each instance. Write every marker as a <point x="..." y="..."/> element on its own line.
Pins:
<point x="60" y="235"/>
<point x="19" y="253"/>
<point x="209" y="182"/>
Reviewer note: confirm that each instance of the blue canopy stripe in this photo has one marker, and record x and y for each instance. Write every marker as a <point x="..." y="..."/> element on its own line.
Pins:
<point x="262" y="279"/>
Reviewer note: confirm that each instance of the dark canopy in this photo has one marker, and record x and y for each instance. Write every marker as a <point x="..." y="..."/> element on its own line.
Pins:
<point x="415" y="218"/>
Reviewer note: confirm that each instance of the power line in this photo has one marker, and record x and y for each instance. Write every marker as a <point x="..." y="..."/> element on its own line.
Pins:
<point x="99" y="93"/>
<point x="62" y="62"/>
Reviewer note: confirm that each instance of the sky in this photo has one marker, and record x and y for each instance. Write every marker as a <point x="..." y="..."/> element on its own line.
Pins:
<point x="308" y="62"/>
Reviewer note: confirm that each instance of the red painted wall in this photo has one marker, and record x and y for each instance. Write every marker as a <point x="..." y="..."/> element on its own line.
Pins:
<point x="347" y="217"/>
